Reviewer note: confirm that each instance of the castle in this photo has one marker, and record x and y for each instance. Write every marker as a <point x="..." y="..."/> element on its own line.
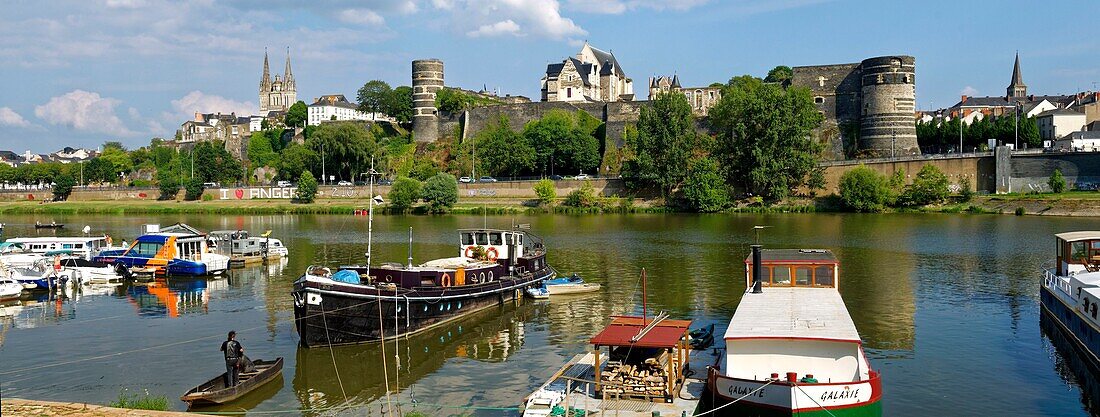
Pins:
<point x="593" y="75"/>
<point x="700" y="98"/>
<point x="280" y="94"/>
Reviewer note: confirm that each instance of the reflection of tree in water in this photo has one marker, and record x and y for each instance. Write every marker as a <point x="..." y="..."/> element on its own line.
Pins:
<point x="1070" y="365"/>
<point x="491" y="335"/>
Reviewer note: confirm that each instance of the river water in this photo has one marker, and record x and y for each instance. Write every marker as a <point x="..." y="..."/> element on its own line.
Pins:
<point x="947" y="306"/>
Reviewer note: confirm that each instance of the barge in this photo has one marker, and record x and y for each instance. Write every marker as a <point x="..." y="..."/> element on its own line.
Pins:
<point x="1070" y="291"/>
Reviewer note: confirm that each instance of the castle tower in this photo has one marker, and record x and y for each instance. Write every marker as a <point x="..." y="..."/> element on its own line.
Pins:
<point x="427" y="79"/>
<point x="888" y="102"/>
<point x="1016" y="88"/>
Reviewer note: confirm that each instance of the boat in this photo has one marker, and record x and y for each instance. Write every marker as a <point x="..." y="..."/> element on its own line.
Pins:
<point x="492" y="267"/>
<point x="168" y="253"/>
<point x="791" y="346"/>
<point x="1070" y="291"/>
<point x="542" y="403"/>
<point x="17" y="256"/>
<point x="569" y="285"/>
<point x="41" y="276"/>
<point x="84" y="247"/>
<point x="214" y="391"/>
<point x="10" y="289"/>
<point x="96" y="272"/>
<point x="702" y="337"/>
<point x="538" y="293"/>
<point x="50" y="225"/>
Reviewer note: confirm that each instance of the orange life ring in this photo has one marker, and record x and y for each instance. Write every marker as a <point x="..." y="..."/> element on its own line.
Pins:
<point x="469" y="251"/>
<point x="446" y="281"/>
<point x="491" y="254"/>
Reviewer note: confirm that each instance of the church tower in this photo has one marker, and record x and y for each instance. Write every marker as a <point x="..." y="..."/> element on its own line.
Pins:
<point x="1017" y="89"/>
<point x="280" y="94"/>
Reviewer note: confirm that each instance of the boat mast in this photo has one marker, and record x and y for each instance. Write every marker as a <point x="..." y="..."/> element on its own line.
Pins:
<point x="410" y="247"/>
<point x="370" y="213"/>
<point x="643" y="298"/>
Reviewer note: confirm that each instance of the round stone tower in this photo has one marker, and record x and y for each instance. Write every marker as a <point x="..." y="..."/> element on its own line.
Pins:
<point x="427" y="78"/>
<point x="887" y="127"/>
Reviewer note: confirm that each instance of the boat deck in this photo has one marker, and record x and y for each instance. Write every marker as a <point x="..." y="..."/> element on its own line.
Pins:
<point x="817" y="313"/>
<point x="578" y="375"/>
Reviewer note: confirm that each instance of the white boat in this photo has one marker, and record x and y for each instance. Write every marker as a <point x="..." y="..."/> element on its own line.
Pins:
<point x="43" y="277"/>
<point x="85" y="247"/>
<point x="1070" y="292"/>
<point x="16" y="256"/>
<point x="10" y="289"/>
<point x="538" y="293"/>
<point x="96" y="272"/>
<point x="569" y="285"/>
<point x="541" y="403"/>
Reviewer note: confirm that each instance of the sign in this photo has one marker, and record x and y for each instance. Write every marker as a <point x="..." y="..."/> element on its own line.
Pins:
<point x="258" y="193"/>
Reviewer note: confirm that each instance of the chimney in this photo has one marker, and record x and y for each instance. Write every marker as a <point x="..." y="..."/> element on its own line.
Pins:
<point x="964" y="97"/>
<point x="198" y="117"/>
<point x="757" y="271"/>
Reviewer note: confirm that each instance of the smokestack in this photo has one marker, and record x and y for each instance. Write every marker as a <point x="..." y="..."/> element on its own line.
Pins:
<point x="757" y="271"/>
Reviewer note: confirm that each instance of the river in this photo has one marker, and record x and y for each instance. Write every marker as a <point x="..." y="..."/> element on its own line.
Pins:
<point x="947" y="306"/>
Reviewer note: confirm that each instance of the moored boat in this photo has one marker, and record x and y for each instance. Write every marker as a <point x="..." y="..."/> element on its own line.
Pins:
<point x="84" y="247"/>
<point x="10" y="289"/>
<point x="791" y="346"/>
<point x="1070" y="291"/>
<point x="214" y="391"/>
<point x="569" y="285"/>
<point x="170" y="253"/>
<point x="50" y="225"/>
<point x="369" y="303"/>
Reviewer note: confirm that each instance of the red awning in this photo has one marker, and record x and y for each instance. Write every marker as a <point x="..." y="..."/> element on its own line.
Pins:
<point x="666" y="334"/>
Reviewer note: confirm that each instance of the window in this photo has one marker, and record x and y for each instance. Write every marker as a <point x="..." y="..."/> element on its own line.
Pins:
<point x="819" y="100"/>
<point x="145" y="249"/>
<point x="781" y="275"/>
<point x="494" y="239"/>
<point x="568" y="92"/>
<point x="1078" y="251"/>
<point x="802" y="276"/>
<point x="823" y="276"/>
<point x="482" y="238"/>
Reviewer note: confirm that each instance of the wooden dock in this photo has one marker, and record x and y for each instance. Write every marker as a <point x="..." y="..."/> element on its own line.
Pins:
<point x="240" y="261"/>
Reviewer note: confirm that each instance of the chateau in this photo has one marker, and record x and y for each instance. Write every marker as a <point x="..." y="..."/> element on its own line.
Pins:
<point x="280" y="94"/>
<point x="592" y="75"/>
<point x="701" y="98"/>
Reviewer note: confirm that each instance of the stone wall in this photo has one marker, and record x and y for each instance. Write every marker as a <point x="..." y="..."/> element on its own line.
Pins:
<point x="1031" y="172"/>
<point x="981" y="170"/>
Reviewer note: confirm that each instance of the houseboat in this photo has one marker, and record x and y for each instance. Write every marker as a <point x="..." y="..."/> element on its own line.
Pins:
<point x="791" y="346"/>
<point x="84" y="247"/>
<point x="15" y="255"/>
<point x="1070" y="292"/>
<point x="350" y="305"/>
<point x="171" y="253"/>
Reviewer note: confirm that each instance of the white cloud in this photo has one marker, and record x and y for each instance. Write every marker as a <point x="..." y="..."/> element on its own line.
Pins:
<point x="9" y="117"/>
<point x="505" y="27"/>
<point x="361" y="17"/>
<point x="197" y="101"/>
<point x="126" y="4"/>
<point x="84" y="111"/>
<point x="969" y="91"/>
<point x="620" y="6"/>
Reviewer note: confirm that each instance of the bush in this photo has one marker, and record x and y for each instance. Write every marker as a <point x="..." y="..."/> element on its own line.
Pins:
<point x="207" y="197"/>
<point x="135" y="402"/>
<point x="440" y="192"/>
<point x="704" y="188"/>
<point x="966" y="192"/>
<point x="404" y="193"/>
<point x="582" y="197"/>
<point x="546" y="191"/>
<point x="63" y="186"/>
<point x="1057" y="182"/>
<point x="194" y="189"/>
<point x="929" y="187"/>
<point x="864" y="190"/>
<point x="169" y="187"/>
<point x="1020" y="211"/>
<point x="307" y="188"/>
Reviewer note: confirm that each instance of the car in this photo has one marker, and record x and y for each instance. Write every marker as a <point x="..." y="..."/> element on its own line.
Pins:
<point x="283" y="184"/>
<point x="486" y="179"/>
<point x="385" y="181"/>
<point x="466" y="180"/>
<point x="555" y="177"/>
<point x="344" y="183"/>
<point x="209" y="185"/>
<point x="581" y="177"/>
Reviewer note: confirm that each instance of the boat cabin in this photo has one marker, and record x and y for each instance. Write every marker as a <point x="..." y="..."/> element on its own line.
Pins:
<point x="795" y="268"/>
<point x="646" y="358"/>
<point x="85" y="247"/>
<point x="1078" y="252"/>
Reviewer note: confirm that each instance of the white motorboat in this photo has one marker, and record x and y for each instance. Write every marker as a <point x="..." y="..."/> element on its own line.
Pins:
<point x="10" y="289"/>
<point x="96" y="272"/>
<point x="569" y="285"/>
<point x="17" y="256"/>
<point x="538" y="293"/>
<point x="541" y="403"/>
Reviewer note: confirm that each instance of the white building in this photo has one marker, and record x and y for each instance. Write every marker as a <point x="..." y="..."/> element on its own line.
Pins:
<point x="1087" y="141"/>
<point x="1059" y="123"/>
<point x="334" y="107"/>
<point x="593" y="75"/>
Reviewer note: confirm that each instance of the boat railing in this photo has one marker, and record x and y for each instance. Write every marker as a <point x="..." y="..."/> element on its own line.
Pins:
<point x="1052" y="280"/>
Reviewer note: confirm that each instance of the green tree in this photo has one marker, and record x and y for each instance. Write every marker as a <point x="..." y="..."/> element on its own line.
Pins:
<point x="663" y="147"/>
<point x="502" y="151"/>
<point x="562" y="145"/>
<point x="295" y="159"/>
<point x="63" y="187"/>
<point x="1029" y="132"/>
<point x="1057" y="182"/>
<point x="929" y="187"/>
<point x="705" y="189"/>
<point x="346" y="148"/>
<point x="404" y="193"/>
<point x="966" y="191"/>
<point x="452" y="101"/>
<point x="781" y="74"/>
<point x="373" y="96"/>
<point x="546" y="191"/>
<point x="307" y="188"/>
<point x="399" y="104"/>
<point x="215" y="164"/>
<point x="194" y="189"/>
<point x="764" y="136"/>
<point x="99" y="170"/>
<point x="440" y="192"/>
<point x="864" y="190"/>
<point x="260" y="153"/>
<point x="297" y="114"/>
<point x="169" y="185"/>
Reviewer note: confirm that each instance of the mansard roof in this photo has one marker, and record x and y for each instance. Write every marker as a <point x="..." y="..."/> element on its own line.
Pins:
<point x="334" y="100"/>
<point x="607" y="59"/>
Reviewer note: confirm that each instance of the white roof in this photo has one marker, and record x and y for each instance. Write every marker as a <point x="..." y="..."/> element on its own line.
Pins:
<point x="55" y="239"/>
<point x="1081" y="235"/>
<point x="798" y="313"/>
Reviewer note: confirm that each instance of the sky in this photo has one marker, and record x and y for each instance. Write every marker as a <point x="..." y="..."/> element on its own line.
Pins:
<point x="82" y="72"/>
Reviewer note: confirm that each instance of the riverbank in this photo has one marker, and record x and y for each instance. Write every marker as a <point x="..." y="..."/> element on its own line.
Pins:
<point x="16" y="407"/>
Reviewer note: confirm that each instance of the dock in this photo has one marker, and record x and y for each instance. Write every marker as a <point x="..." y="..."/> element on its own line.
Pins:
<point x="240" y="261"/>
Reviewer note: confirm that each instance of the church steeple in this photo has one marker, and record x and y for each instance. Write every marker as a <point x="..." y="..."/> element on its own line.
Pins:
<point x="265" y="82"/>
<point x="1017" y="88"/>
<point x="288" y="76"/>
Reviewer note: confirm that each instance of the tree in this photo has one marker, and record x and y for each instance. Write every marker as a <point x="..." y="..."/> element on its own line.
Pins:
<point x="1057" y="182"/>
<point x="297" y="114"/>
<point x="404" y="193"/>
<point x="864" y="190"/>
<point x="194" y="189"/>
<point x="399" y="104"/>
<point x="929" y="187"/>
<point x="373" y="96"/>
<point x="562" y="145"/>
<point x="781" y="74"/>
<point x="260" y="152"/>
<point x="452" y="101"/>
<point x="215" y="164"/>
<point x="295" y="159"/>
<point x="966" y="192"/>
<point x="307" y="188"/>
<point x="503" y="151"/>
<point x="168" y="184"/>
<point x="63" y="187"/>
<point x="764" y="136"/>
<point x="440" y="192"/>
<point x="347" y="149"/>
<point x="100" y="170"/>
<point x="546" y="191"/>
<point x="662" y="149"/>
<point x="704" y="188"/>
<point x="582" y="197"/>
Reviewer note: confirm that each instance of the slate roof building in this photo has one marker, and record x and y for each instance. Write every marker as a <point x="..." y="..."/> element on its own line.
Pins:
<point x="700" y="98"/>
<point x="335" y="107"/>
<point x="592" y="75"/>
<point x="1015" y="97"/>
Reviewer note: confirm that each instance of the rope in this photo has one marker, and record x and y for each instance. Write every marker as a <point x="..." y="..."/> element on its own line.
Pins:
<point x="332" y="354"/>
<point x="382" y="341"/>
<point x="812" y="399"/>
<point x="735" y="401"/>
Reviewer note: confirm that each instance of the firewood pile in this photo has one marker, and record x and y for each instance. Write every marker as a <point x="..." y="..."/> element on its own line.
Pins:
<point x="647" y="379"/>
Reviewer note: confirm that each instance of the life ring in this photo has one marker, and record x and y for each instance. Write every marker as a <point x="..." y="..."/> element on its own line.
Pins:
<point x="469" y="252"/>
<point x="491" y="254"/>
<point x="446" y="281"/>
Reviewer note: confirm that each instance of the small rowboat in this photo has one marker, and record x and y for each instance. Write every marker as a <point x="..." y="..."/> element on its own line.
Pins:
<point x="569" y="285"/>
<point x="538" y="293"/>
<point x="214" y="392"/>
<point x="48" y="226"/>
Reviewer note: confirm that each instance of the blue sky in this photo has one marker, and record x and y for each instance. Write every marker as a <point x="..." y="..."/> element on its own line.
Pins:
<point x="82" y="72"/>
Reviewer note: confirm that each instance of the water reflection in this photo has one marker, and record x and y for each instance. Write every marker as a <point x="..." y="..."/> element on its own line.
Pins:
<point x="1071" y="365"/>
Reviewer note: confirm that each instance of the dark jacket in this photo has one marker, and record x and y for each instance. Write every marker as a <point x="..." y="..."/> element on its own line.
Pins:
<point x="232" y="349"/>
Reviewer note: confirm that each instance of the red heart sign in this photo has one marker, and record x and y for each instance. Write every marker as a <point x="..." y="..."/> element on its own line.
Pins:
<point x="239" y="193"/>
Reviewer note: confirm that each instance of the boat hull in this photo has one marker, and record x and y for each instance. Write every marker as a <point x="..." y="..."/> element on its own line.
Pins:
<point x="327" y="312"/>
<point x="562" y="289"/>
<point x="1083" y="335"/>
<point x="781" y="399"/>
<point x="214" y="392"/>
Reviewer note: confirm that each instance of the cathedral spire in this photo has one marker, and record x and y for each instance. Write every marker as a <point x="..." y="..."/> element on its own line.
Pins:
<point x="265" y="81"/>
<point x="288" y="76"/>
<point x="1017" y="88"/>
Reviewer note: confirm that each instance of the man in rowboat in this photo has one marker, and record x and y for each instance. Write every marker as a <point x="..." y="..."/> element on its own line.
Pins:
<point x="233" y="353"/>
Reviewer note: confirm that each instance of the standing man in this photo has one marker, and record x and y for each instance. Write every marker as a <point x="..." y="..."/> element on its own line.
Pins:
<point x="233" y="354"/>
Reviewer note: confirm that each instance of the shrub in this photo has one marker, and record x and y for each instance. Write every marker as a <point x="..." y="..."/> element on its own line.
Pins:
<point x="582" y="197"/>
<point x="135" y="402"/>
<point x="929" y="187"/>
<point x="194" y="189"/>
<point x="1057" y="182"/>
<point x="307" y="188"/>
<point x="169" y="187"/>
<point x="966" y="192"/>
<point x="704" y="188"/>
<point x="440" y="192"/>
<point x="546" y="191"/>
<point x="63" y="186"/>
<point x="816" y="181"/>
<point x="1020" y="211"/>
<point x="404" y="193"/>
<point x="207" y="197"/>
<point x="864" y="190"/>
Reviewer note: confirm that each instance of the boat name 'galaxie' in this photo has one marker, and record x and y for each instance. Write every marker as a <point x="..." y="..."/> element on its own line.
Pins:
<point x="844" y="394"/>
<point x="741" y="390"/>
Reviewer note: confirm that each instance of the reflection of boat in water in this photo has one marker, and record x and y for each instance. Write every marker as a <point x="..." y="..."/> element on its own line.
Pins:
<point x="1071" y="365"/>
<point x="166" y="297"/>
<point x="491" y="335"/>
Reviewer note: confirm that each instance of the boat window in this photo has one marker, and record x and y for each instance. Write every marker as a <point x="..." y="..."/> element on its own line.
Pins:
<point x="781" y="275"/>
<point x="145" y="249"/>
<point x="1078" y="251"/>
<point x="495" y="239"/>
<point x="823" y="276"/>
<point x="482" y="238"/>
<point x="467" y="239"/>
<point x="519" y="239"/>
<point x="802" y="276"/>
